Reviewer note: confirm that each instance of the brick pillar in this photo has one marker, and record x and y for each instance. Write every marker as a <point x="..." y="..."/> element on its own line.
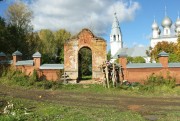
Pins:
<point x="2" y="56"/>
<point x="122" y="59"/>
<point x="123" y="62"/>
<point x="163" y="59"/>
<point x="17" y="56"/>
<point x="37" y="60"/>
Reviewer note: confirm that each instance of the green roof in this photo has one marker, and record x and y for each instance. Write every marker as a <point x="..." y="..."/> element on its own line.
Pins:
<point x="174" y="65"/>
<point x="52" y="66"/>
<point x="25" y="62"/>
<point x="144" y="65"/>
<point x="2" y="54"/>
<point x="17" y="53"/>
<point x="36" y="55"/>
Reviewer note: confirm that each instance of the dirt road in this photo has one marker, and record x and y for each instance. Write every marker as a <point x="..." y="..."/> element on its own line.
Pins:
<point x="143" y="105"/>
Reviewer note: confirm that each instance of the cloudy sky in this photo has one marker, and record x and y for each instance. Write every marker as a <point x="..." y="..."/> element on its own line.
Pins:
<point x="135" y="16"/>
<point x="74" y="15"/>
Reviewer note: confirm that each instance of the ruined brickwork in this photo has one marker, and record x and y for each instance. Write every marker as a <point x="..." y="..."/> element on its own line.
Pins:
<point x="71" y="48"/>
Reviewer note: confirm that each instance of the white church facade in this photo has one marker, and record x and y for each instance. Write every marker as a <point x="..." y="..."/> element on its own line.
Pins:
<point x="167" y="34"/>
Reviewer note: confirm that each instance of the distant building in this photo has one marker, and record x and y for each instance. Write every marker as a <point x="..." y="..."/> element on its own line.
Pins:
<point x="116" y="42"/>
<point x="135" y="51"/>
<point x="167" y="33"/>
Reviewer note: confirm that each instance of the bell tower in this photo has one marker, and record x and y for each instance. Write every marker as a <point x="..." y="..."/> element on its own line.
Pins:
<point x="115" y="37"/>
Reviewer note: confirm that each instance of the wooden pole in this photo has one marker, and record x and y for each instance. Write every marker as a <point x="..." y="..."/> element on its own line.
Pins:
<point x="107" y="76"/>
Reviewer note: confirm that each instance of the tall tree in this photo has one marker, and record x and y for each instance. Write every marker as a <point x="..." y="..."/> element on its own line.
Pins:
<point x="52" y="45"/>
<point x="19" y="29"/>
<point x="20" y="15"/>
<point x="61" y="36"/>
<point x="47" y="45"/>
<point x="2" y="34"/>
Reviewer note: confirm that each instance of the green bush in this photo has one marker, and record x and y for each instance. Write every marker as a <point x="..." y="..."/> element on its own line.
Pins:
<point x="138" y="59"/>
<point x="15" y="77"/>
<point x="154" y="81"/>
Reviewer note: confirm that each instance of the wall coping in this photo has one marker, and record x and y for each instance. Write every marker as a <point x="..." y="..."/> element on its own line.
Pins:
<point x="144" y="65"/>
<point x="25" y="63"/>
<point x="52" y="66"/>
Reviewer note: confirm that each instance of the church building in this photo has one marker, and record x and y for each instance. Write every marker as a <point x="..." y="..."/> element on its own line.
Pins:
<point x="116" y="44"/>
<point x="167" y="33"/>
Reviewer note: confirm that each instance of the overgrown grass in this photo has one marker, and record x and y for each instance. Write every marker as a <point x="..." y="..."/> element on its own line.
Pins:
<point x="154" y="85"/>
<point x="18" y="78"/>
<point x="27" y="110"/>
<point x="44" y="111"/>
<point x="158" y="83"/>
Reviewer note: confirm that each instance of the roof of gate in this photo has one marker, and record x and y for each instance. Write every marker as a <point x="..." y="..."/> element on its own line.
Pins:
<point x="85" y="29"/>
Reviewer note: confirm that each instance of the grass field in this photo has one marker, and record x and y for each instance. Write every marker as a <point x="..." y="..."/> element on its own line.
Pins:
<point x="24" y="99"/>
<point x="44" y="111"/>
<point x="86" y="103"/>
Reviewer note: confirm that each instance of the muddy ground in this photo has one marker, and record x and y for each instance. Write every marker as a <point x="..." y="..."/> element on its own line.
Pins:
<point x="142" y="105"/>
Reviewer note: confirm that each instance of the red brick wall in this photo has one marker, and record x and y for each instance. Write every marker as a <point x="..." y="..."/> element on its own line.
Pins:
<point x="28" y="70"/>
<point x="51" y="75"/>
<point x="141" y="74"/>
<point x="175" y="72"/>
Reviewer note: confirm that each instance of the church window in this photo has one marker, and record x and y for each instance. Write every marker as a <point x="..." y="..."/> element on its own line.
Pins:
<point x="118" y="37"/>
<point x="114" y="37"/>
<point x="166" y="31"/>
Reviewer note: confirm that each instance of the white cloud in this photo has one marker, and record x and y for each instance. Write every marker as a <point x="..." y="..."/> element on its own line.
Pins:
<point x="73" y="15"/>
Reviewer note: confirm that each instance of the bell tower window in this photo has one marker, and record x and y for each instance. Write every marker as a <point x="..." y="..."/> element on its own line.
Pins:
<point x="114" y="37"/>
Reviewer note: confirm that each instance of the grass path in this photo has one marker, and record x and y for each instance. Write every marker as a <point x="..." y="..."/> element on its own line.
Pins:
<point x="145" y="106"/>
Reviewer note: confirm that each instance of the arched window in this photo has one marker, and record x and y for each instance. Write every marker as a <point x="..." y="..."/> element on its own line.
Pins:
<point x="118" y="37"/>
<point x="114" y="37"/>
<point x="166" y="31"/>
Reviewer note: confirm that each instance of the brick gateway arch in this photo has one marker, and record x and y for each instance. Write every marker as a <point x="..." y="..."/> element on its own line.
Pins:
<point x="87" y="39"/>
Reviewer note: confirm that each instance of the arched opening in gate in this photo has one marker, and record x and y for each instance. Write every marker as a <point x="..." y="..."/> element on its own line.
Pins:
<point x="85" y="64"/>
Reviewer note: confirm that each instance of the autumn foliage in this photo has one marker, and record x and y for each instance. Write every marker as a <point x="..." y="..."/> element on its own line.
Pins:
<point x="172" y="48"/>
